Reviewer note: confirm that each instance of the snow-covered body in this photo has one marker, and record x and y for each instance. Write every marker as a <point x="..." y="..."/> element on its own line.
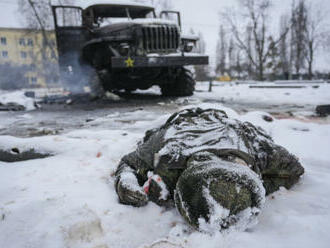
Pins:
<point x="195" y="142"/>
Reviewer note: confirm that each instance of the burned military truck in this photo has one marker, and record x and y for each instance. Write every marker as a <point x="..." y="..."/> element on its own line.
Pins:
<point x="124" y="46"/>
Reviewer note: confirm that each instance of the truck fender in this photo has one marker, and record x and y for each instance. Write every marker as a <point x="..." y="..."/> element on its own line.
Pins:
<point x="89" y="49"/>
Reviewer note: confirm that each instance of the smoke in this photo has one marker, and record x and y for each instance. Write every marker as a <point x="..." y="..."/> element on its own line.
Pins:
<point x="69" y="74"/>
<point x="75" y="76"/>
<point x="13" y="77"/>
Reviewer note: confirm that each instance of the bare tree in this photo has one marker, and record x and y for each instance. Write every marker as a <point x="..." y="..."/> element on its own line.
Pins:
<point x="255" y="13"/>
<point x="249" y="65"/>
<point x="201" y="71"/>
<point x="42" y="20"/>
<point x="274" y="63"/>
<point x="238" y="68"/>
<point x="299" y="26"/>
<point x="159" y="5"/>
<point x="292" y="40"/>
<point x="231" y="57"/>
<point x="284" y="47"/>
<point x="163" y="4"/>
<point x="221" y="53"/>
<point x="326" y="41"/>
<point x="37" y="14"/>
<point x="313" y="37"/>
<point x="39" y="19"/>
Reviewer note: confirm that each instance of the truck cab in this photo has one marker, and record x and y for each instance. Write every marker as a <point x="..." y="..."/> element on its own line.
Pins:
<point x="126" y="44"/>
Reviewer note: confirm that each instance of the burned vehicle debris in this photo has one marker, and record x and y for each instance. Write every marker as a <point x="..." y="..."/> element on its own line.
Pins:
<point x="125" y="46"/>
<point x="15" y="155"/>
<point x="216" y="170"/>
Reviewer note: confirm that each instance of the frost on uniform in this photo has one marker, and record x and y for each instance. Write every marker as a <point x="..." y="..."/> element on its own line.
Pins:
<point x="215" y="170"/>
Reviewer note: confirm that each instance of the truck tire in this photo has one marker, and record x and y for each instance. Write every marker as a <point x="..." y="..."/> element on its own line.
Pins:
<point x="106" y="80"/>
<point x="184" y="85"/>
<point x="95" y="84"/>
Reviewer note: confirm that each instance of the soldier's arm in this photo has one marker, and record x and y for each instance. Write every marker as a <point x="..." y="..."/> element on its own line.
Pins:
<point x="276" y="165"/>
<point x="132" y="172"/>
<point x="282" y="169"/>
<point x="127" y="184"/>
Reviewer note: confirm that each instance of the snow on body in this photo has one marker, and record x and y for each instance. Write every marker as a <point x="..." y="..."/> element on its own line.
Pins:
<point x="218" y="213"/>
<point x="191" y="141"/>
<point x="199" y="134"/>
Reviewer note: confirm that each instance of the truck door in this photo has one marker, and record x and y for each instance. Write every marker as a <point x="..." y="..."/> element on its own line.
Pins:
<point x="70" y="36"/>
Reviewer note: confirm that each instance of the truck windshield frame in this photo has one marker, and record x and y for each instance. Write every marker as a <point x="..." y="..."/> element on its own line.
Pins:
<point x="108" y="11"/>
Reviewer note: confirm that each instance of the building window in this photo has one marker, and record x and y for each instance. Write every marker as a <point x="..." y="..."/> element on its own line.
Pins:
<point x="30" y="42"/>
<point x="3" y="41"/>
<point x="4" y="54"/>
<point x="31" y="54"/>
<point x="23" y="55"/>
<point x="33" y="67"/>
<point x="22" y="41"/>
<point x="53" y="55"/>
<point x="34" y="80"/>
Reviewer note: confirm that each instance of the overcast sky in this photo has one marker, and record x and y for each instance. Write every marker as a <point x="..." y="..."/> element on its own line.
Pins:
<point x="201" y="15"/>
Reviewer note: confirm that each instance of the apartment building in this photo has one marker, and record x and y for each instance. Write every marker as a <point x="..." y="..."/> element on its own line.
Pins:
<point x="27" y="53"/>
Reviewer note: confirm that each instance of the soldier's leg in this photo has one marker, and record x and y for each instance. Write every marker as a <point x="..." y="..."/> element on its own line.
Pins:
<point x="127" y="187"/>
<point x="217" y="194"/>
<point x="281" y="170"/>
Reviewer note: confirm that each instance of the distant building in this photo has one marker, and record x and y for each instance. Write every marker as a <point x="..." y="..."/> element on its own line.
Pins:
<point x="26" y="58"/>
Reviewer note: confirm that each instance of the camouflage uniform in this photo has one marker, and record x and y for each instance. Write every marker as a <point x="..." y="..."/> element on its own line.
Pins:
<point x="217" y="170"/>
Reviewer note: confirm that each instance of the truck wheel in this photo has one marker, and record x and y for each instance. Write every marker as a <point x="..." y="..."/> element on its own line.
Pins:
<point x="107" y="80"/>
<point x="97" y="90"/>
<point x="184" y="85"/>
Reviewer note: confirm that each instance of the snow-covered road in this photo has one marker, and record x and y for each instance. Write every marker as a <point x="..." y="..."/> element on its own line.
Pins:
<point x="68" y="200"/>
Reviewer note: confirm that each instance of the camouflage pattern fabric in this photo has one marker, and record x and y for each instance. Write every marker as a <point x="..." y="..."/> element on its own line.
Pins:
<point x="213" y="167"/>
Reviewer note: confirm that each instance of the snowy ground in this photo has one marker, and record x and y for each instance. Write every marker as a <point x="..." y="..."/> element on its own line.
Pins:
<point x="231" y="93"/>
<point x="68" y="200"/>
<point x="17" y="97"/>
